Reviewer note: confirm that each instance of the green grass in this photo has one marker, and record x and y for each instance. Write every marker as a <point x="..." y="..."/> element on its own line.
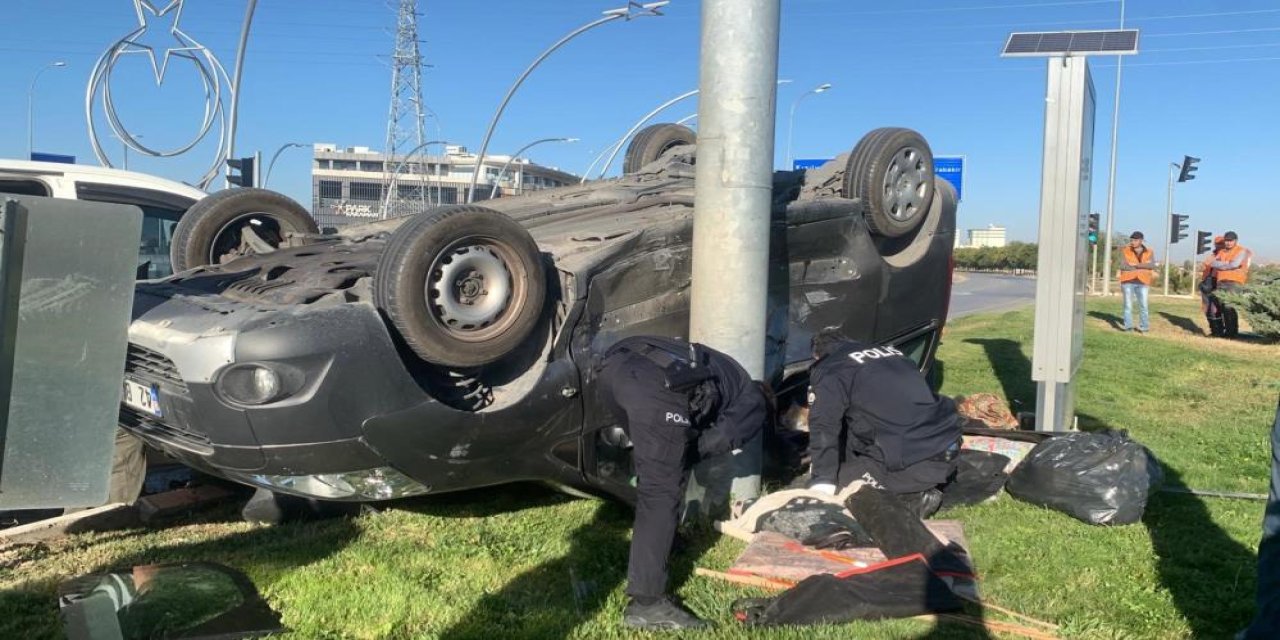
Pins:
<point x="504" y="563"/>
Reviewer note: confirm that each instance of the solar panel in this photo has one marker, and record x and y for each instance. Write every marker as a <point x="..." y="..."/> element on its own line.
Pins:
<point x="1072" y="43"/>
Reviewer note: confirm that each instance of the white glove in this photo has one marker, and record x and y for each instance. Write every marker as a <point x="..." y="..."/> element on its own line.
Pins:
<point x="825" y="488"/>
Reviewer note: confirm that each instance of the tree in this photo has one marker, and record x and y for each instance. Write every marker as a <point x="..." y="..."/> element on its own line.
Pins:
<point x="1259" y="301"/>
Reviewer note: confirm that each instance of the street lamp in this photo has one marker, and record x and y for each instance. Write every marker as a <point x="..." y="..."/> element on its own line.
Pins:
<point x="625" y="13"/>
<point x="391" y="183"/>
<point x="267" y="176"/>
<point x="31" y="93"/>
<point x="124" y="148"/>
<point x="617" y="146"/>
<point x="494" y="192"/>
<point x="791" y="122"/>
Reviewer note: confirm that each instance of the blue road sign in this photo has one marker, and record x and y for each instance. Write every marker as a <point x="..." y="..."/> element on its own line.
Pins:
<point x="808" y="163"/>
<point x="37" y="156"/>
<point x="951" y="169"/>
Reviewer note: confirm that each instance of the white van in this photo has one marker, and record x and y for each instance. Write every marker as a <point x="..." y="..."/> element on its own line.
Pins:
<point x="162" y="201"/>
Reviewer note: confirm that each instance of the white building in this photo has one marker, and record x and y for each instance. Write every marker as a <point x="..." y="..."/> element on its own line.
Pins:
<point x="347" y="185"/>
<point x="992" y="236"/>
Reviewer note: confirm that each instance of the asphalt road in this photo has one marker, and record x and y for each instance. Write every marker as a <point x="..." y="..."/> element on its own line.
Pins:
<point x="982" y="292"/>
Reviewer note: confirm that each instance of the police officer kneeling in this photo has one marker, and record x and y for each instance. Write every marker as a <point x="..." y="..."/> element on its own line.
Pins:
<point x="678" y="402"/>
<point x="897" y="434"/>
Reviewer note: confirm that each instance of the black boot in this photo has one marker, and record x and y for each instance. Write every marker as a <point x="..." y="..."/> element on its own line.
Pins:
<point x="662" y="614"/>
<point x="1230" y="322"/>
<point x="1216" y="326"/>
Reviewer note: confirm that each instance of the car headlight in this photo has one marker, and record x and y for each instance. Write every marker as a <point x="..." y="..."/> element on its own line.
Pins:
<point x="257" y="383"/>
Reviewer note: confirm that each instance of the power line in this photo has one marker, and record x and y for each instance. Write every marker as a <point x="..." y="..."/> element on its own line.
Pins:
<point x="1190" y="62"/>
<point x="957" y="9"/>
<point x="1215" y="48"/>
<point x="1209" y="15"/>
<point x="1209" y="33"/>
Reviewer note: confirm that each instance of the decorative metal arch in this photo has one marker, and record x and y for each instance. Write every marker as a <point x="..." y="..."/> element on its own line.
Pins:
<point x="220" y="90"/>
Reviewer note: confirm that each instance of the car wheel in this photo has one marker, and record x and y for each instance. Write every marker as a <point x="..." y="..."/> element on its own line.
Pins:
<point x="462" y="284"/>
<point x="236" y="222"/>
<point x="653" y="141"/>
<point x="891" y="171"/>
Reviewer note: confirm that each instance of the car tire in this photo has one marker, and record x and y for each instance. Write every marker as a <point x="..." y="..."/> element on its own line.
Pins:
<point x="436" y="280"/>
<point x="209" y="232"/>
<point x="653" y="141"/>
<point x="891" y="172"/>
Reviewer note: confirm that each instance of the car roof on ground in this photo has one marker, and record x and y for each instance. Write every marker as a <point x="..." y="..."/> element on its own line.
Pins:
<point x="99" y="174"/>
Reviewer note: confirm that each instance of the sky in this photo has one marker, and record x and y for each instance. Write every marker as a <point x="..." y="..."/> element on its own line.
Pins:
<point x="1206" y="83"/>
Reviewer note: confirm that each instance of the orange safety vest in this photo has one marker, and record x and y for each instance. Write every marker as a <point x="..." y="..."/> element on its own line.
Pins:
<point x="1240" y="275"/>
<point x="1130" y="257"/>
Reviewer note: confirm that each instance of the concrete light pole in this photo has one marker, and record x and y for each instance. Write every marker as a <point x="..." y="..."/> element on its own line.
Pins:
<point x="1111" y="182"/>
<point x="493" y="193"/>
<point x="31" y="93"/>
<point x="625" y="13"/>
<point x="1168" y="224"/>
<point x="267" y="176"/>
<point x="791" y="122"/>
<point x="733" y="192"/>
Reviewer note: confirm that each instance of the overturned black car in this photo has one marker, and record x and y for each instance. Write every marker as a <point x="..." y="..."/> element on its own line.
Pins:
<point x="453" y="349"/>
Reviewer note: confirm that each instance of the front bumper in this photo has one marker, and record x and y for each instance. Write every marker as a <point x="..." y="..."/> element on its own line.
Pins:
<point x="308" y="443"/>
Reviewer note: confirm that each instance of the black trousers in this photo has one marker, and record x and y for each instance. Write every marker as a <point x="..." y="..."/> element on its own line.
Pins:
<point x="1230" y="317"/>
<point x="657" y="421"/>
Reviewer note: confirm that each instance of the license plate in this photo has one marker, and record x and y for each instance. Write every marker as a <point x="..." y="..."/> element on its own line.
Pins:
<point x="143" y="397"/>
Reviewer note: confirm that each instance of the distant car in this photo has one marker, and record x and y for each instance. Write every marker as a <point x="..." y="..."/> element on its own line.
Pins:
<point x="454" y="349"/>
<point x="162" y="201"/>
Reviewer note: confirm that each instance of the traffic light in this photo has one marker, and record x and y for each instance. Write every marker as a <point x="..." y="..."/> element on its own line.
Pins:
<point x="1204" y="240"/>
<point x="242" y="172"/>
<point x="1177" y="227"/>
<point x="1188" y="168"/>
<point x="1093" y="228"/>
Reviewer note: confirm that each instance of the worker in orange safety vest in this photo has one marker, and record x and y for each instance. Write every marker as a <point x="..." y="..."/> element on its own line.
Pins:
<point x="1231" y="268"/>
<point x="1209" y="303"/>
<point x="1137" y="271"/>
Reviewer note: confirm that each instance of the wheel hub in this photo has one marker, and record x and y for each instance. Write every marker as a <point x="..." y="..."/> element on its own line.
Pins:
<point x="469" y="288"/>
<point x="905" y="184"/>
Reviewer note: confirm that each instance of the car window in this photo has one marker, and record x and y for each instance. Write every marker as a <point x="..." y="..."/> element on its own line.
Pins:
<point x="916" y="348"/>
<point x="24" y="187"/>
<point x="157" y="237"/>
<point x="160" y="211"/>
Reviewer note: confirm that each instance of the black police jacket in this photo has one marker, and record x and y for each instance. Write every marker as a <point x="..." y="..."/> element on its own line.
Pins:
<point x="875" y="401"/>
<point x="725" y="405"/>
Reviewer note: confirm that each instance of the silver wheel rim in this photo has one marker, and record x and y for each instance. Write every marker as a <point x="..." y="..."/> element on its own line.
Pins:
<point x="468" y="288"/>
<point x="905" y="184"/>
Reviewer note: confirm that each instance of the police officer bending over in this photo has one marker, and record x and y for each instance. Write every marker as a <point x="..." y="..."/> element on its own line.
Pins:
<point x="897" y="434"/>
<point x="678" y="402"/>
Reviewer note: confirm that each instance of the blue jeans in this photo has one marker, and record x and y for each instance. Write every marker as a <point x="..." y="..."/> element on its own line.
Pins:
<point x="1266" y="622"/>
<point x="1133" y="290"/>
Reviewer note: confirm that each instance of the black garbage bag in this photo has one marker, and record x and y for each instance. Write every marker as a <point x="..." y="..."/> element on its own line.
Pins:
<point x="896" y="589"/>
<point x="1099" y="478"/>
<point x="979" y="476"/>
<point x="816" y="523"/>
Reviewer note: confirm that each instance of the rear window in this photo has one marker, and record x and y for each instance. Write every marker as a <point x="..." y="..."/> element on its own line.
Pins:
<point x="24" y="187"/>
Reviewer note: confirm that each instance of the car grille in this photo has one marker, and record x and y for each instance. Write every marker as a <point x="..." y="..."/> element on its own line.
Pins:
<point x="149" y="367"/>
<point x="146" y="365"/>
<point x="143" y="424"/>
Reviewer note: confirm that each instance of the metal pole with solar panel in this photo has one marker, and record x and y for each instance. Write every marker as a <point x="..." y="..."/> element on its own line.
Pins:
<point x="1066" y="182"/>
